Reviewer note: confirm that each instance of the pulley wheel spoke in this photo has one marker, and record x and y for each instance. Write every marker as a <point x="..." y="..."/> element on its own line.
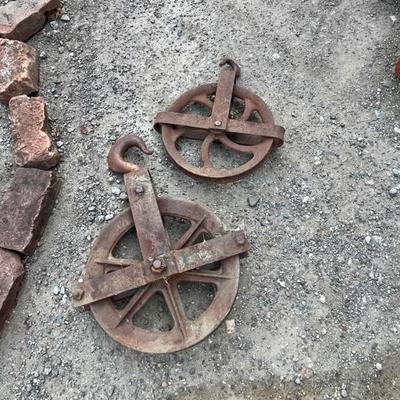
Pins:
<point x="234" y="146"/>
<point x="203" y="99"/>
<point x="249" y="108"/>
<point x="204" y="277"/>
<point x="140" y="298"/>
<point x="175" y="306"/>
<point x="205" y="150"/>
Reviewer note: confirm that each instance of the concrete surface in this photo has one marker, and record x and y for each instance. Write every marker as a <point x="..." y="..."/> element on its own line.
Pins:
<point x="317" y="315"/>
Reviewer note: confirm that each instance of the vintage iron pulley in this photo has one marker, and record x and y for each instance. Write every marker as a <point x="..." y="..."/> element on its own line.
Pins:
<point x="163" y="265"/>
<point x="250" y="131"/>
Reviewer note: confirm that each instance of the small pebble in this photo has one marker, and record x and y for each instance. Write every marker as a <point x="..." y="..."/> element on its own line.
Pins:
<point x="396" y="172"/>
<point x="110" y="390"/>
<point x="378" y="366"/>
<point x="230" y="326"/>
<point x="115" y="190"/>
<point x="252" y="201"/>
<point x="56" y="290"/>
<point x="123" y="196"/>
<point x="380" y="114"/>
<point x="65" y="18"/>
<point x="343" y="393"/>
<point x="54" y="25"/>
<point x="393" y="192"/>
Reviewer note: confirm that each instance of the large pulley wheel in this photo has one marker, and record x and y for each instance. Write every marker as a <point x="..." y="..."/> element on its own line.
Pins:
<point x="185" y="332"/>
<point x="251" y="131"/>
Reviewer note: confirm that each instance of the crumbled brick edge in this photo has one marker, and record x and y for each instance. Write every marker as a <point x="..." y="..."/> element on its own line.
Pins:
<point x="12" y="274"/>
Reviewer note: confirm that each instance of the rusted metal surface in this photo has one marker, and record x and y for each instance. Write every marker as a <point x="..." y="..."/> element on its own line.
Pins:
<point x="115" y="158"/>
<point x="163" y="264"/>
<point x="238" y="133"/>
<point x="136" y="274"/>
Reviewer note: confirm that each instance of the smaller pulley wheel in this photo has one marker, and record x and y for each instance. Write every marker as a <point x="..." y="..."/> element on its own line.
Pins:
<point x="255" y="147"/>
<point x="226" y="114"/>
<point x="185" y="330"/>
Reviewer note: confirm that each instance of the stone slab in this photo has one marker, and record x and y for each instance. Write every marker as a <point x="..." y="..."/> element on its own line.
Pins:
<point x="25" y="209"/>
<point x="33" y="146"/>
<point x="19" y="69"/>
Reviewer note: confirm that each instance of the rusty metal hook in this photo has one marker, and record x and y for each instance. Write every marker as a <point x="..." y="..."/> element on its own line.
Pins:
<point x="232" y="64"/>
<point x="115" y="156"/>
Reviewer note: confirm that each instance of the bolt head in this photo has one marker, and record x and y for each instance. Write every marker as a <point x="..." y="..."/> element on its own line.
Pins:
<point x="77" y="293"/>
<point x="158" y="265"/>
<point x="139" y="189"/>
<point x="218" y="123"/>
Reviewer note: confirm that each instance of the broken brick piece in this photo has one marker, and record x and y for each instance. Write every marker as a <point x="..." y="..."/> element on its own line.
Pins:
<point x="11" y="274"/>
<point x="33" y="146"/>
<point x="25" y="208"/>
<point x="19" y="69"/>
<point x="20" y="20"/>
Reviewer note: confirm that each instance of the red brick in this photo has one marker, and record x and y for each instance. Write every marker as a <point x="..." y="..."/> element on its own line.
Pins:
<point x="25" y="209"/>
<point x="11" y="274"/>
<point x="19" y="20"/>
<point x="33" y="146"/>
<point x="19" y="69"/>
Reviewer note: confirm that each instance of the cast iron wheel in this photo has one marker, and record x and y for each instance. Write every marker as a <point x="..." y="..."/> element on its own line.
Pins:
<point x="255" y="146"/>
<point x="118" y="323"/>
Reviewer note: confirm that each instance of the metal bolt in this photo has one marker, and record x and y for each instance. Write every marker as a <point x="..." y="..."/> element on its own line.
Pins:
<point x="218" y="123"/>
<point x="158" y="265"/>
<point x="77" y="293"/>
<point x="139" y="189"/>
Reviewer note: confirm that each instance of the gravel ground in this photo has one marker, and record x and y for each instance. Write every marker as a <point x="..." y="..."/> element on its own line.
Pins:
<point x="317" y="313"/>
